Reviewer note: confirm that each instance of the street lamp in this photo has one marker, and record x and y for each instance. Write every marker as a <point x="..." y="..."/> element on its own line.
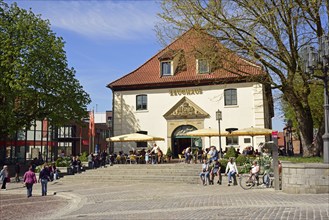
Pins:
<point x="320" y="60"/>
<point x="218" y="118"/>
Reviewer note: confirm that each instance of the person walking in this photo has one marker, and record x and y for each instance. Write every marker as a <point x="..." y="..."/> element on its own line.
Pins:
<point x="4" y="176"/>
<point x="104" y="156"/>
<point x="44" y="176"/>
<point x="17" y="172"/>
<point x="154" y="153"/>
<point x="29" y="179"/>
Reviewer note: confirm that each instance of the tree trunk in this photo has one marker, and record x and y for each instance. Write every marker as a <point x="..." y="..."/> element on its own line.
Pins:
<point x="318" y="142"/>
<point x="304" y="120"/>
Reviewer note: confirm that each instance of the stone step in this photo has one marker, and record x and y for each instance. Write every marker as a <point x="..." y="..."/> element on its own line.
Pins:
<point x="141" y="171"/>
<point x="175" y="173"/>
<point x="157" y="166"/>
<point x="173" y="179"/>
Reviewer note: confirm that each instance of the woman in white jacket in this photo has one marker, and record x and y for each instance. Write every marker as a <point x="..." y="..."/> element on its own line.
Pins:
<point x="231" y="170"/>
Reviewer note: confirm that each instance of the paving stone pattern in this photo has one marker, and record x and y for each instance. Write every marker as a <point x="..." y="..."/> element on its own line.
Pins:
<point x="161" y="200"/>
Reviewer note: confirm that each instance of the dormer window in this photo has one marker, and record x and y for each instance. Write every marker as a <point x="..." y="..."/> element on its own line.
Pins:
<point x="202" y="66"/>
<point x="167" y="68"/>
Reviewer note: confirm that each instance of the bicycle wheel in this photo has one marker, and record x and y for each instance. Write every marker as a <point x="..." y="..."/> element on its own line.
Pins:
<point x="244" y="181"/>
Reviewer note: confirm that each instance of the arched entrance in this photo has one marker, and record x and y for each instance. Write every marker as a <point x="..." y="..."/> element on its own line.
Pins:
<point x="180" y="140"/>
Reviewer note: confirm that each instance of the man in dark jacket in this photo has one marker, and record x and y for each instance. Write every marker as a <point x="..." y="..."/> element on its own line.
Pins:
<point x="104" y="155"/>
<point x="44" y="177"/>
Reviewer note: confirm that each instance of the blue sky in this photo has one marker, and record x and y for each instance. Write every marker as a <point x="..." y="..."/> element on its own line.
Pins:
<point x="104" y="40"/>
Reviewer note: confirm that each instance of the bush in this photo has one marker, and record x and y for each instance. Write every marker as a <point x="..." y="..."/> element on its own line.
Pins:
<point x="245" y="168"/>
<point x="84" y="157"/>
<point x="223" y="164"/>
<point x="242" y="159"/>
<point x="230" y="153"/>
<point x="63" y="162"/>
<point x="38" y="169"/>
<point x="169" y="152"/>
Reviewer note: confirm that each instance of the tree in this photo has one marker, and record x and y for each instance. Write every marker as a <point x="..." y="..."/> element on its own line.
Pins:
<point x="316" y="106"/>
<point x="271" y="33"/>
<point x="36" y="82"/>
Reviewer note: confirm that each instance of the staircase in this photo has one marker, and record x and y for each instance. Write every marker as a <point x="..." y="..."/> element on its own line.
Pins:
<point x="171" y="173"/>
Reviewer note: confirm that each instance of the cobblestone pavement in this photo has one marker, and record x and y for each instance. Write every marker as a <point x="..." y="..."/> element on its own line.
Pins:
<point x="158" y="201"/>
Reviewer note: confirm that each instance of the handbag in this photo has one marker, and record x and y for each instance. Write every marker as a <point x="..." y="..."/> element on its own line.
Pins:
<point x="7" y="179"/>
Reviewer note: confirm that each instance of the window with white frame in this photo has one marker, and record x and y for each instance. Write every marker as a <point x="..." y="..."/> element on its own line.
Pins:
<point x="141" y="102"/>
<point x="166" y="68"/>
<point x="230" y="97"/>
<point x="203" y="66"/>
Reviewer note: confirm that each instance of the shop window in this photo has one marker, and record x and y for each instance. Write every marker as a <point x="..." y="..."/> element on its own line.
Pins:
<point x="230" y="97"/>
<point x="141" y="102"/>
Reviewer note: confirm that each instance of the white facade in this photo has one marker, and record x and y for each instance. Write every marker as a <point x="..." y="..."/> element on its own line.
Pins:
<point x="250" y="111"/>
<point x="100" y="117"/>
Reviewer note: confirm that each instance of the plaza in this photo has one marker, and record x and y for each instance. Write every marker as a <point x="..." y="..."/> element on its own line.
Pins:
<point x="162" y="200"/>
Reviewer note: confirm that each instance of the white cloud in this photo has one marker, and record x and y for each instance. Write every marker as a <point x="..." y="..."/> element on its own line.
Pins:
<point x="99" y="19"/>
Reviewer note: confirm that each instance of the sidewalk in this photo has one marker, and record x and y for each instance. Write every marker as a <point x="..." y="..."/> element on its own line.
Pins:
<point x="129" y="200"/>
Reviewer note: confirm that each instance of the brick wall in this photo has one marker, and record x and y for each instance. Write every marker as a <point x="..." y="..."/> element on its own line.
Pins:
<point x="301" y="178"/>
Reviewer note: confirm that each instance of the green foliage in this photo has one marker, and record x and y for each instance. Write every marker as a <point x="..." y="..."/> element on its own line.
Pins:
<point x="302" y="159"/>
<point x="169" y="152"/>
<point x="35" y="82"/>
<point x="240" y="160"/>
<point x="315" y="101"/>
<point x="223" y="163"/>
<point x="63" y="162"/>
<point x="84" y="157"/>
<point x="38" y="169"/>
<point x="230" y="153"/>
<point x="245" y="168"/>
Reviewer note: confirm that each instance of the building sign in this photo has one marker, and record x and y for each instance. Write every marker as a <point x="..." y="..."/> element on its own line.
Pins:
<point x="178" y="92"/>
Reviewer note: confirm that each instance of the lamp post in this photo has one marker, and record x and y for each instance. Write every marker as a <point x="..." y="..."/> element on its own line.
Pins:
<point x="218" y="118"/>
<point x="319" y="60"/>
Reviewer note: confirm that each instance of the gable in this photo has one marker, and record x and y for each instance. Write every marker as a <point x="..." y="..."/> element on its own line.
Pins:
<point x="185" y="108"/>
<point x="183" y="52"/>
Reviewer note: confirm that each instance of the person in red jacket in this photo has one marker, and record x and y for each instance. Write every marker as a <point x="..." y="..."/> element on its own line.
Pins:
<point x="29" y="179"/>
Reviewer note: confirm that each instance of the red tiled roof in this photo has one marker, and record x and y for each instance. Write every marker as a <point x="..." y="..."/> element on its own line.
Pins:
<point x="148" y="75"/>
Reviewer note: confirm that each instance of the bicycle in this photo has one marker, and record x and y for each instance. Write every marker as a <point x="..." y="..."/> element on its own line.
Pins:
<point x="265" y="180"/>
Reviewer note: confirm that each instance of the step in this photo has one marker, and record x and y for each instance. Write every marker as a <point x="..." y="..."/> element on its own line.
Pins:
<point x="175" y="173"/>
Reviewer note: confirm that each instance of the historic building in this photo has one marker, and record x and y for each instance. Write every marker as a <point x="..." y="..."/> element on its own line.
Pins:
<point x="180" y="89"/>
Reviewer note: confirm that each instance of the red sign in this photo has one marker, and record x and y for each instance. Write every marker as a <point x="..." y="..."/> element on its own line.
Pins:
<point x="275" y="134"/>
<point x="85" y="142"/>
